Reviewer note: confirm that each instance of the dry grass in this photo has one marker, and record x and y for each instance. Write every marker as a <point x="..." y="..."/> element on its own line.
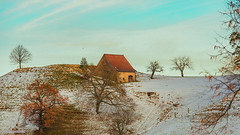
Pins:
<point x="69" y="121"/>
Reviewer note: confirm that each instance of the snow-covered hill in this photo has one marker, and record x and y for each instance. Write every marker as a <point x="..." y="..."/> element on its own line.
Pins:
<point x="13" y="87"/>
<point x="167" y="105"/>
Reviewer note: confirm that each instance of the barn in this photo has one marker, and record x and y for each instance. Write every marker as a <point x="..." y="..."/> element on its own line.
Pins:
<point x="116" y="67"/>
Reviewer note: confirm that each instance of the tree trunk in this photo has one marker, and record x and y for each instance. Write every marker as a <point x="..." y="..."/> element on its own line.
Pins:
<point x="41" y="131"/>
<point x="97" y="107"/>
<point x="182" y="73"/>
<point x="152" y="74"/>
<point x="20" y="65"/>
<point x="40" y="123"/>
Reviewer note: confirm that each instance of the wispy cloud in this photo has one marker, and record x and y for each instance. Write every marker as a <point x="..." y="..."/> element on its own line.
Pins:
<point x="65" y="7"/>
<point x="21" y="6"/>
<point x="31" y="6"/>
<point x="83" y="5"/>
<point x="25" y="7"/>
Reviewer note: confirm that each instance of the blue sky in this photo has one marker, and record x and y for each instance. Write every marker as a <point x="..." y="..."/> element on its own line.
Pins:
<point x="64" y="31"/>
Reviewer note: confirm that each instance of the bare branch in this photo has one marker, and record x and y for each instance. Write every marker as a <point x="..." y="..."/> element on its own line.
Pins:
<point x="154" y="67"/>
<point x="20" y="55"/>
<point x="181" y="63"/>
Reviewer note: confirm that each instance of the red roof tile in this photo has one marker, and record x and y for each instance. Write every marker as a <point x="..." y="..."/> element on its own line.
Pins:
<point x="120" y="62"/>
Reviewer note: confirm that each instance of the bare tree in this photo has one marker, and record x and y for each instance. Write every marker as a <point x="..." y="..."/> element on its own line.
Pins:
<point x="181" y="63"/>
<point x="154" y="67"/>
<point x="103" y="90"/>
<point x="20" y="55"/>
<point x="121" y="122"/>
<point x="228" y="86"/>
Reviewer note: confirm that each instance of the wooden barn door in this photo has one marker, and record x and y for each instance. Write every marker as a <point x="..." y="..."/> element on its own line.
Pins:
<point x="130" y="78"/>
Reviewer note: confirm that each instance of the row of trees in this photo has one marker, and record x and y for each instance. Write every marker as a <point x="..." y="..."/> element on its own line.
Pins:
<point x="179" y="63"/>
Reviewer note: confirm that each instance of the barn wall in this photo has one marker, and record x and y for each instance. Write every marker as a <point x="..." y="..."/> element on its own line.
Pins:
<point x="105" y="69"/>
<point x="123" y="76"/>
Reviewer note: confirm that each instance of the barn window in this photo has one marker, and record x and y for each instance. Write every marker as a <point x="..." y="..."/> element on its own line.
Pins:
<point x="130" y="78"/>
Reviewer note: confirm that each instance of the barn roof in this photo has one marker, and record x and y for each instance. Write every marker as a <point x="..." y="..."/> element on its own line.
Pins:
<point x="119" y="62"/>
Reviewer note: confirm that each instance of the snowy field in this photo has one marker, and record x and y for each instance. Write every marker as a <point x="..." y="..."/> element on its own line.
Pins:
<point x="168" y="110"/>
<point x="191" y="94"/>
